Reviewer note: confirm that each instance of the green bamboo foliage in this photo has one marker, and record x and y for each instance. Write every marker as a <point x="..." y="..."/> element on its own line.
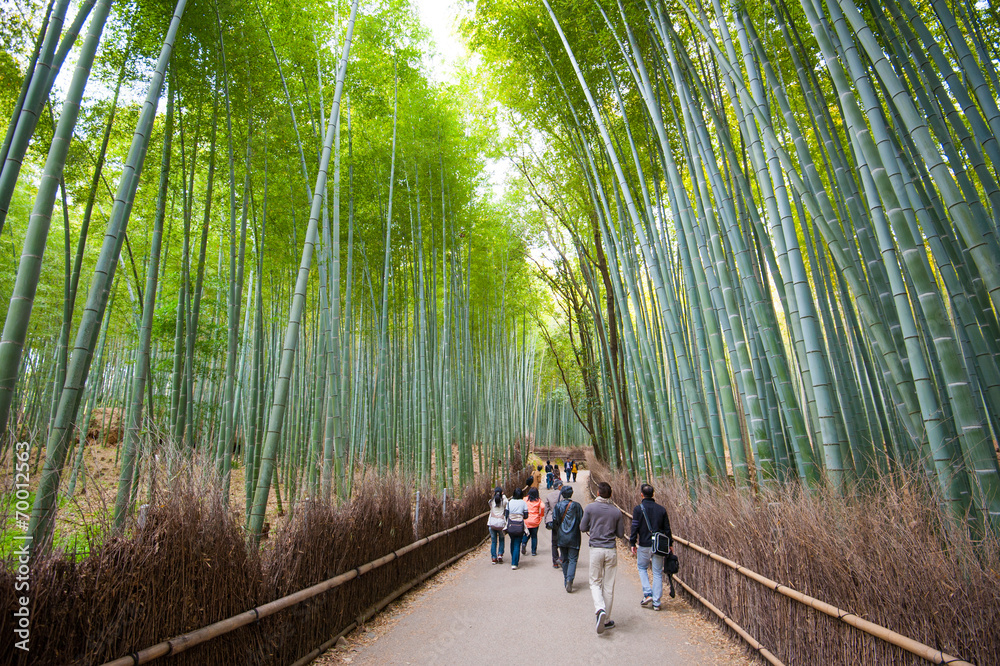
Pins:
<point x="58" y="439"/>
<point x="127" y="478"/>
<point x="29" y="268"/>
<point x="407" y="351"/>
<point x="792" y="233"/>
<point x="38" y="84"/>
<point x="290" y="344"/>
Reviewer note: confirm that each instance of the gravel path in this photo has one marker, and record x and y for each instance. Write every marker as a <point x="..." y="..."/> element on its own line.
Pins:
<point x="480" y="613"/>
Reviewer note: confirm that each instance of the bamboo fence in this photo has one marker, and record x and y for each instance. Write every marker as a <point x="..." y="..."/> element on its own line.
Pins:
<point x="183" y="642"/>
<point x="872" y="629"/>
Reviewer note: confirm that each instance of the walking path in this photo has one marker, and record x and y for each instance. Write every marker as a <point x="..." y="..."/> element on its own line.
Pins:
<point x="481" y="613"/>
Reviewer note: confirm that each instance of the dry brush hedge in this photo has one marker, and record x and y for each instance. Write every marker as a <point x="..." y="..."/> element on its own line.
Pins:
<point x="882" y="553"/>
<point x="190" y="566"/>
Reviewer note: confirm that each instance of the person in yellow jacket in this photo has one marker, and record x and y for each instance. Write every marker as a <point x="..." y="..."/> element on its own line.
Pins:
<point x="536" y="475"/>
<point x="572" y="470"/>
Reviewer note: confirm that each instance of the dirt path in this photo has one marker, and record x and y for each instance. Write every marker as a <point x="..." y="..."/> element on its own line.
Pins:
<point x="480" y="613"/>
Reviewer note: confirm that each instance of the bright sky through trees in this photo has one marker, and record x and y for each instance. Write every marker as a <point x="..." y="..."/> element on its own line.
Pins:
<point x="441" y="18"/>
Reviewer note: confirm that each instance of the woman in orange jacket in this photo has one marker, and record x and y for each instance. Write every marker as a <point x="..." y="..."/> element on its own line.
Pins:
<point x="536" y="511"/>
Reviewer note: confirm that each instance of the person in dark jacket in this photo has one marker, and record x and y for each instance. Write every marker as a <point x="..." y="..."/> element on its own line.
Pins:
<point x="566" y="531"/>
<point x="649" y="517"/>
<point x="551" y="501"/>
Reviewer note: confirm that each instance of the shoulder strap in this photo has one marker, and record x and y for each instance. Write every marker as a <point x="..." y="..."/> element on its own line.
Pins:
<point x="643" y="509"/>
<point x="563" y="515"/>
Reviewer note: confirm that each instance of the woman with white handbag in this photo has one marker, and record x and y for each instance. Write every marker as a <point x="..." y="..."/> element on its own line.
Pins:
<point x="497" y="523"/>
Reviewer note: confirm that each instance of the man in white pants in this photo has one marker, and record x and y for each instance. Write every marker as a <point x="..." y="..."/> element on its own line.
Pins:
<point x="603" y="522"/>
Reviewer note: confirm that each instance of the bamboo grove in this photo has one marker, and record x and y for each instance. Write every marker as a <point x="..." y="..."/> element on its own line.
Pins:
<point x="308" y="286"/>
<point x="777" y="230"/>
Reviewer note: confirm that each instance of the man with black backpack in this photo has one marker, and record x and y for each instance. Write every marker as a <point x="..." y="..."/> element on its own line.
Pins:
<point x="651" y="541"/>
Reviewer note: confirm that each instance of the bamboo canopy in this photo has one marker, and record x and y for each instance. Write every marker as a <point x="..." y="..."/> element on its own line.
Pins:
<point x="776" y="225"/>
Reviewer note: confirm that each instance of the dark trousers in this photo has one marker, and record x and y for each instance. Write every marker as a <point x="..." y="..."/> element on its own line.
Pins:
<point x="533" y="535"/>
<point x="555" y="549"/>
<point x="515" y="549"/>
<point x="569" y="558"/>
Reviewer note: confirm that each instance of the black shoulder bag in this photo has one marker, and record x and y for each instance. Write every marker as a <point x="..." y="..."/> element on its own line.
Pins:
<point x="661" y="542"/>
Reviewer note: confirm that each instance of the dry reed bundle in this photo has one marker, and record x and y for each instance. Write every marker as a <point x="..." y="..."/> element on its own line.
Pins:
<point x="885" y="553"/>
<point x="8" y="601"/>
<point x="324" y="541"/>
<point x="188" y="566"/>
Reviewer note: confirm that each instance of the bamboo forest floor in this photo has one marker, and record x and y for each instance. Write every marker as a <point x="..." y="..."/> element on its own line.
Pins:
<point x="476" y="612"/>
<point x="88" y="513"/>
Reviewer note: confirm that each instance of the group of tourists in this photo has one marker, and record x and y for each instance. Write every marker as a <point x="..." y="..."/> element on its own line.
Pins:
<point x="571" y="470"/>
<point x="649" y="537"/>
<point x="519" y="518"/>
<point x="552" y="472"/>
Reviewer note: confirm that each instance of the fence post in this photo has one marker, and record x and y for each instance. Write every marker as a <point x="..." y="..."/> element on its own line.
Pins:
<point x="416" y="518"/>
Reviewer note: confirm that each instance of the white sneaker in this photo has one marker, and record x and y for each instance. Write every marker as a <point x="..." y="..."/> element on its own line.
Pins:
<point x="601" y="616"/>
<point x="513" y="567"/>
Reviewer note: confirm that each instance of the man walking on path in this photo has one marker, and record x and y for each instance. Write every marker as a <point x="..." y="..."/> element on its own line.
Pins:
<point x="551" y="500"/>
<point x="649" y="517"/>
<point x="603" y="523"/>
<point x="566" y="532"/>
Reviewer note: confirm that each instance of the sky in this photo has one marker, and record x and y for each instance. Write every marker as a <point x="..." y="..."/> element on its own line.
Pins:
<point x="440" y="17"/>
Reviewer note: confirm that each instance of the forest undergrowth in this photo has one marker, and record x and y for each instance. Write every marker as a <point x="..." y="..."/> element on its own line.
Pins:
<point x="883" y="551"/>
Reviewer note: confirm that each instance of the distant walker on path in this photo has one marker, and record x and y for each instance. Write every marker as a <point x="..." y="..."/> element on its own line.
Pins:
<point x="517" y="511"/>
<point x="603" y="523"/>
<point x="536" y="477"/>
<point x="536" y="511"/>
<point x="551" y="500"/>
